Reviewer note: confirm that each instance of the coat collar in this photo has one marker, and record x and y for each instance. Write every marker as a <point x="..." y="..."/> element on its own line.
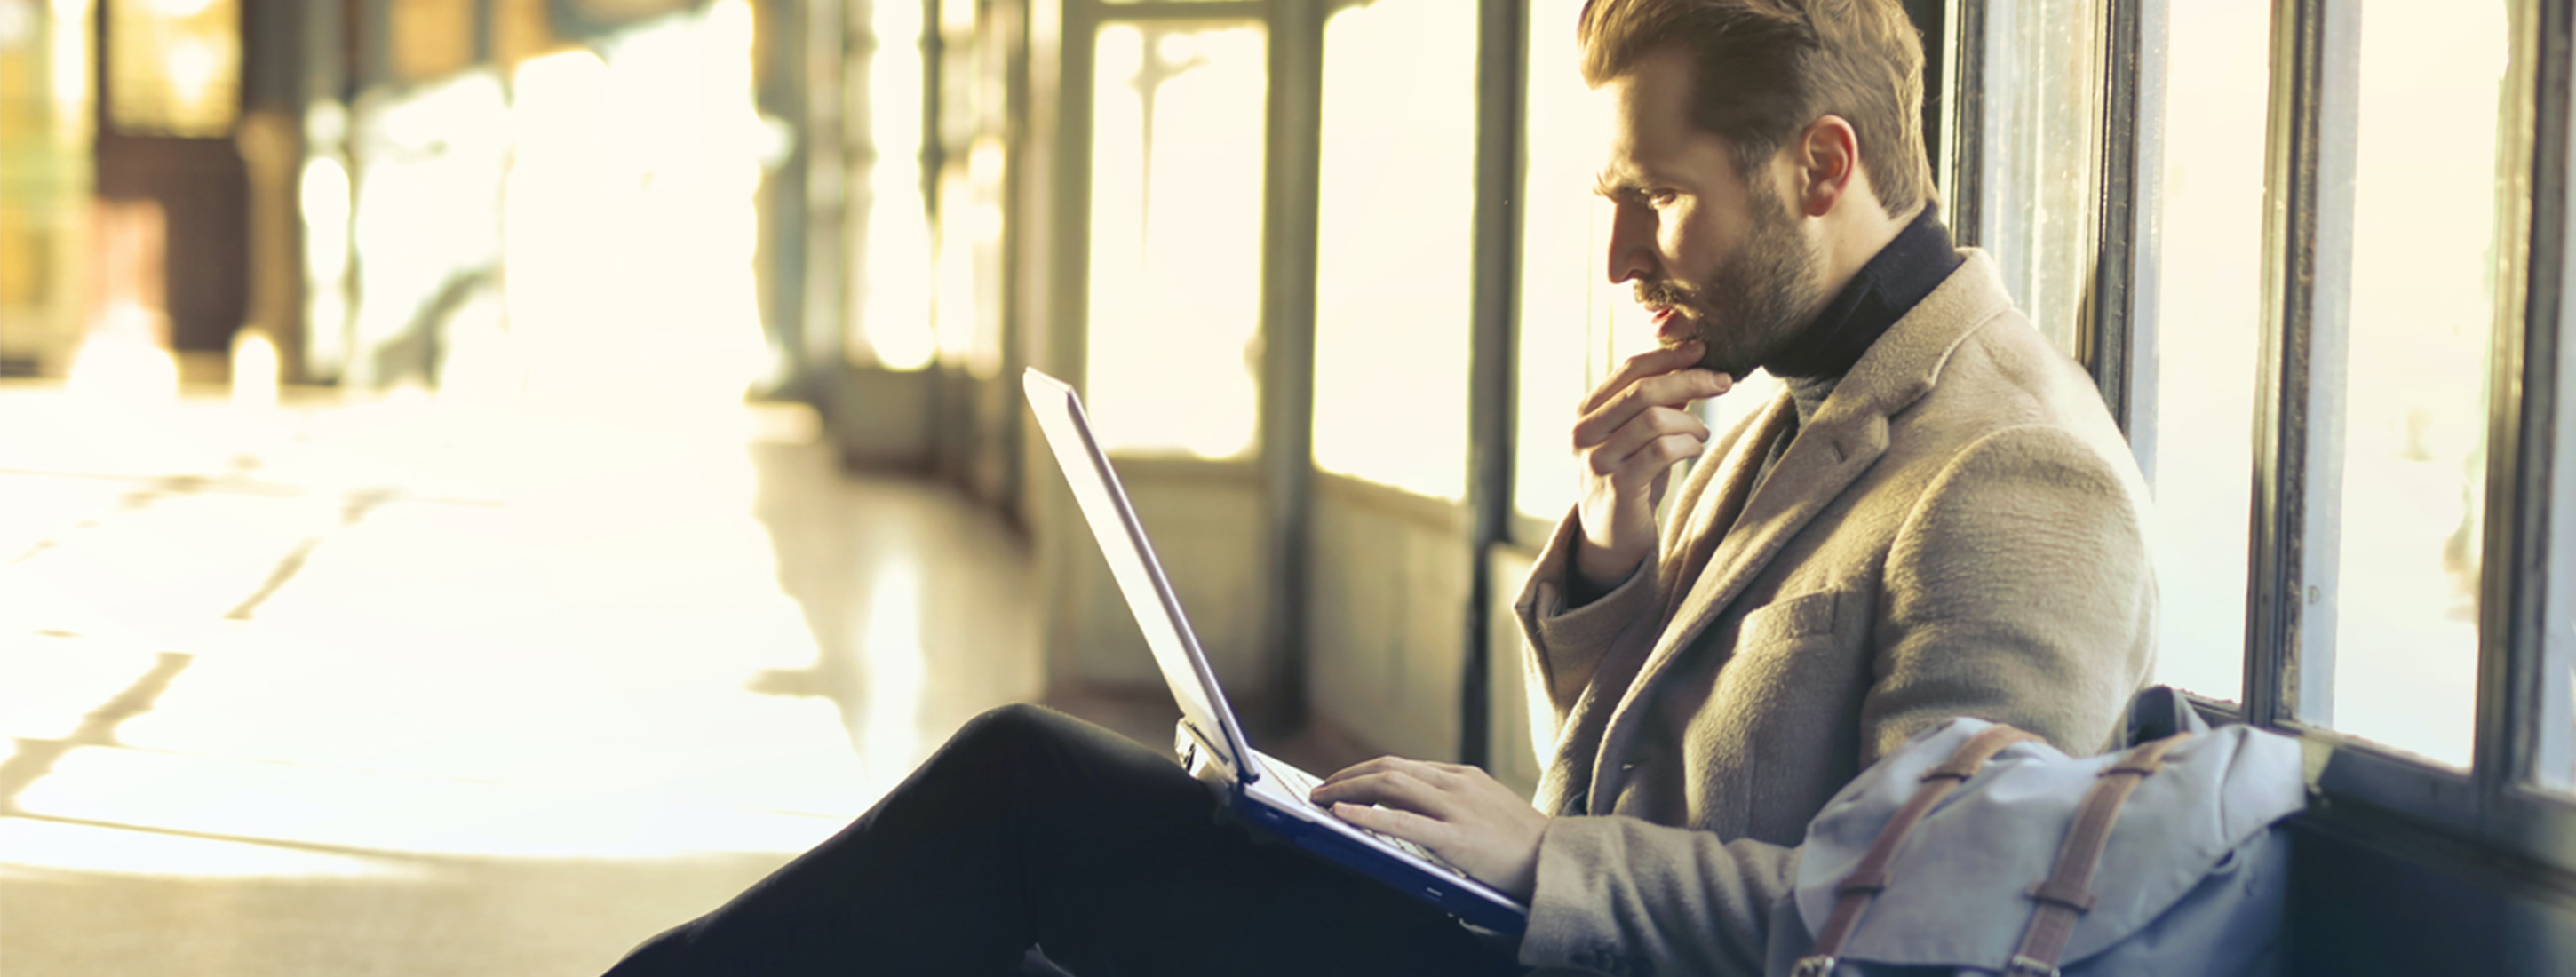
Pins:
<point x="1840" y="443"/>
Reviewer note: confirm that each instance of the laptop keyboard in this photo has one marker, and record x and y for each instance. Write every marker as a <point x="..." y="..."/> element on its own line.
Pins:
<point x="1302" y="784"/>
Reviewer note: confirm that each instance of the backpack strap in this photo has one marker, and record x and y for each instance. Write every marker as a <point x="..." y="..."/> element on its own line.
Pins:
<point x="2066" y="894"/>
<point x="1866" y="880"/>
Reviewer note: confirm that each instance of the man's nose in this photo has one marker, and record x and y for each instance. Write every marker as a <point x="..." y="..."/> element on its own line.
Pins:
<point x="1632" y="236"/>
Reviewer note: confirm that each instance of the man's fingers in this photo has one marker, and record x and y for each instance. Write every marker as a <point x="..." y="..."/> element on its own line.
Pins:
<point x="1429" y="832"/>
<point x="1613" y="454"/>
<point x="1654" y="459"/>
<point x="1363" y="768"/>
<point x="1667" y="390"/>
<point x="1404" y="789"/>
<point x="1661" y="360"/>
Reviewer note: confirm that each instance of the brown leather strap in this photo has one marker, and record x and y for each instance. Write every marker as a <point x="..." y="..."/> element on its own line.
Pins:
<point x="2066" y="894"/>
<point x="1853" y="896"/>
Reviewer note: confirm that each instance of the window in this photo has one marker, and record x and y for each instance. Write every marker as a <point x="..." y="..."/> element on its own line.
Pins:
<point x="969" y="311"/>
<point x="1176" y="191"/>
<point x="2205" y="346"/>
<point x="1394" y="244"/>
<point x="45" y="114"/>
<point x="174" y="69"/>
<point x="2413" y="378"/>
<point x="2555" y="750"/>
<point x="973" y="118"/>
<point x="892" y="255"/>
<point x="2040" y="155"/>
<point x="430" y="38"/>
<point x="1558" y="304"/>
<point x="1565" y="306"/>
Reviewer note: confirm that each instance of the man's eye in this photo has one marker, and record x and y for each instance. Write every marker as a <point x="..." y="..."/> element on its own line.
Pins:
<point x="1661" y="198"/>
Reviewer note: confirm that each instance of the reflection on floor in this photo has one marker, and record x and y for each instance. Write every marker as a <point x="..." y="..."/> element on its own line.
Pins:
<point x="394" y="688"/>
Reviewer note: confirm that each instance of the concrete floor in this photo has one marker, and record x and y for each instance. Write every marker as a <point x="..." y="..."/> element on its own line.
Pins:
<point x="401" y="688"/>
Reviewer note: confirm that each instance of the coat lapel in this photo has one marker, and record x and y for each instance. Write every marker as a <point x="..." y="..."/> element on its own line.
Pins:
<point x="1822" y="461"/>
<point x="1707" y="523"/>
<point x="1715" y="497"/>
<point x="1846" y="436"/>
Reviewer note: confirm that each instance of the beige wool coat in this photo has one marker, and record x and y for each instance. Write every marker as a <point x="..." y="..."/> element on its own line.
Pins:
<point x="1957" y="531"/>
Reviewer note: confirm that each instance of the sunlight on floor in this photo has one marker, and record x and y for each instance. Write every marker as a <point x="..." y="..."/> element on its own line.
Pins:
<point x="399" y="642"/>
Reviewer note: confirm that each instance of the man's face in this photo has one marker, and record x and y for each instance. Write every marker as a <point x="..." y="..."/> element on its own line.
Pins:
<point x="1713" y="252"/>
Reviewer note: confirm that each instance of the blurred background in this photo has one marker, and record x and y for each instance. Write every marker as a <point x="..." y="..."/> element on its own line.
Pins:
<point x="483" y="480"/>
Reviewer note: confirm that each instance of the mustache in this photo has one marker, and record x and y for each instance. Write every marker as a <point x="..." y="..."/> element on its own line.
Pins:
<point x="1664" y="293"/>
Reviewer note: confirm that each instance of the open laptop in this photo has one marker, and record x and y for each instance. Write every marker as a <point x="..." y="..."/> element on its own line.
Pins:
<point x="1259" y="788"/>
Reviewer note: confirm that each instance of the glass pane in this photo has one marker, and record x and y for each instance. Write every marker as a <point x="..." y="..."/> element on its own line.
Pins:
<point x="45" y="181"/>
<point x="174" y="69"/>
<point x="1176" y="172"/>
<point x="2208" y="318"/>
<point x="893" y="251"/>
<point x="430" y="38"/>
<point x="2044" y="63"/>
<point x="2423" y="305"/>
<point x="1562" y="298"/>
<point x="1395" y="245"/>
<point x="1575" y="326"/>
<point x="2556" y="760"/>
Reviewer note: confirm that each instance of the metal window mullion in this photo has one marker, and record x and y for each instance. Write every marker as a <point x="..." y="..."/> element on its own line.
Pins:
<point x="949" y="450"/>
<point x="2515" y="737"/>
<point x="1931" y="21"/>
<point x="1065" y="350"/>
<point x="1967" y="123"/>
<point x="1290" y="194"/>
<point x="1015" y="156"/>
<point x="1500" y="55"/>
<point x="2117" y="334"/>
<point x="2308" y="194"/>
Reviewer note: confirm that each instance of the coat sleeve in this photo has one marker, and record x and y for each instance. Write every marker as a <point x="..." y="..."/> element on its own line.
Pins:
<point x="2019" y="590"/>
<point x="1567" y="645"/>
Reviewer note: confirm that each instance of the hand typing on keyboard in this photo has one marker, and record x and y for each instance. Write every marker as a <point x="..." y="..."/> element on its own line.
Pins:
<point x="1459" y="813"/>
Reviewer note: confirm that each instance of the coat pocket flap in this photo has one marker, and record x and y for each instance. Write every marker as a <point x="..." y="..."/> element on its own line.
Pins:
<point x="1790" y="618"/>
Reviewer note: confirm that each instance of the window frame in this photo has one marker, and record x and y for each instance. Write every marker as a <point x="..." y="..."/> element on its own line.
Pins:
<point x="2498" y="813"/>
<point x="1493" y="408"/>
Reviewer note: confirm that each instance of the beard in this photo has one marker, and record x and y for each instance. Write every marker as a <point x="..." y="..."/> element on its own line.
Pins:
<point x="1757" y="302"/>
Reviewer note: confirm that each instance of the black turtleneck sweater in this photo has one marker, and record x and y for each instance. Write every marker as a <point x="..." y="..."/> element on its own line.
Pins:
<point x="1917" y="261"/>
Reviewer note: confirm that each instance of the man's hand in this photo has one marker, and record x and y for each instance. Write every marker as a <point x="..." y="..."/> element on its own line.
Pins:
<point x="1461" y="813"/>
<point x="1632" y="432"/>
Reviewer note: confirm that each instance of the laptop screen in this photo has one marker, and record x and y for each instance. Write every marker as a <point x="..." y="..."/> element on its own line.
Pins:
<point x="1131" y="562"/>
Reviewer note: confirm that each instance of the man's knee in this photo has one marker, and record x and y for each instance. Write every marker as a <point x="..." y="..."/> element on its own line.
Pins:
<point x="1014" y="729"/>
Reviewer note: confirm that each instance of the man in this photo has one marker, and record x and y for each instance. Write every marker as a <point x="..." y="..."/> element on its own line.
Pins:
<point x="1939" y="519"/>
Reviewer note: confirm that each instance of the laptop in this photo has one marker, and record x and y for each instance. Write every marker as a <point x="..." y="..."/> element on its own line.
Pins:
<point x="1257" y="787"/>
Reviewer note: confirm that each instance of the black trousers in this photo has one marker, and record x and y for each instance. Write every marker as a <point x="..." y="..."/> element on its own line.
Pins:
<point x="1031" y="828"/>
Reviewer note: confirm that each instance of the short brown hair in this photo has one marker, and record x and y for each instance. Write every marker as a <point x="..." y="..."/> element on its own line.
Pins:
<point x="1766" y="69"/>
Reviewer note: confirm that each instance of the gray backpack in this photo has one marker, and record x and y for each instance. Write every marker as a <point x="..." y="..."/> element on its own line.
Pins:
<point x="1977" y="849"/>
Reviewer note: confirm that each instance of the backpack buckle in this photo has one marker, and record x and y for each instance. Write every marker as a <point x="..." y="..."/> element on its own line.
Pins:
<point x="1819" y="966"/>
<point x="2022" y="966"/>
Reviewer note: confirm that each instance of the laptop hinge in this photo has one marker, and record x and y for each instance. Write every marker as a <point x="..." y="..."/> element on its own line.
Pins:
<point x="1198" y="755"/>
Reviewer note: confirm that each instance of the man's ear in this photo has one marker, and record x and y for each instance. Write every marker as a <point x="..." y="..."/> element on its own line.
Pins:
<point x="1827" y="156"/>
